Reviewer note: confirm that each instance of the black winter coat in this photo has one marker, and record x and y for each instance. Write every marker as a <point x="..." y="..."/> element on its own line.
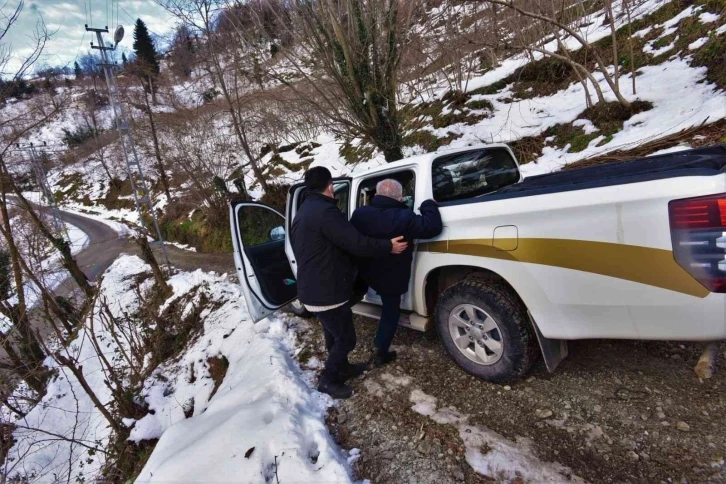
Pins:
<point x="325" y="245"/>
<point x="386" y="218"/>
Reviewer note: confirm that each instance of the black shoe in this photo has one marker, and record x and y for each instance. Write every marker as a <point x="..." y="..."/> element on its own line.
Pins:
<point x="380" y="358"/>
<point x="335" y="389"/>
<point x="352" y="370"/>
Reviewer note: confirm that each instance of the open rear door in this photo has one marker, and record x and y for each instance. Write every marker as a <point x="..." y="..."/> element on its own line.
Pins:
<point x="295" y="199"/>
<point x="259" y="239"/>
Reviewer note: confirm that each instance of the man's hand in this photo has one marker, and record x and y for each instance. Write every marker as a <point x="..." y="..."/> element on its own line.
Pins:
<point x="398" y="245"/>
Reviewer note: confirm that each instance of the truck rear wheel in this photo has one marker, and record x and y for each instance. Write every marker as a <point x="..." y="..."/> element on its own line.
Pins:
<point x="485" y="329"/>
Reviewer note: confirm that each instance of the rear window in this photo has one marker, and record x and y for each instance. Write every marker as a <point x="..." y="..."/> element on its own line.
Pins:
<point x="472" y="173"/>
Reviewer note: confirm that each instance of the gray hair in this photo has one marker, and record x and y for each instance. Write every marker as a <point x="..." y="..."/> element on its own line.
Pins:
<point x="390" y="188"/>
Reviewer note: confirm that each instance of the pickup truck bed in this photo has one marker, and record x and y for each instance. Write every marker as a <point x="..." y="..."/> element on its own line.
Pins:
<point x="706" y="161"/>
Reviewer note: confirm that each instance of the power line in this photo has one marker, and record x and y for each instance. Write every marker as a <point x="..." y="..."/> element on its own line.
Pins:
<point x="139" y="185"/>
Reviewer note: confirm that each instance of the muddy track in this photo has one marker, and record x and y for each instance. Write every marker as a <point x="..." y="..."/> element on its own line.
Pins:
<point x="614" y="412"/>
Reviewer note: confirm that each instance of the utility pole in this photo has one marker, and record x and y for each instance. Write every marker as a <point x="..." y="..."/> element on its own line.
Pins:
<point x="139" y="185"/>
<point x="42" y="180"/>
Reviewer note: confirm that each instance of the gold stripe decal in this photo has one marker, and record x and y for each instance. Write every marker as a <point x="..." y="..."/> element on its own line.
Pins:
<point x="646" y="265"/>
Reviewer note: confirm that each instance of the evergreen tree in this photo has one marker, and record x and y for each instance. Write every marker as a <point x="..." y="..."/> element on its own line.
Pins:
<point x="144" y="50"/>
<point x="77" y="71"/>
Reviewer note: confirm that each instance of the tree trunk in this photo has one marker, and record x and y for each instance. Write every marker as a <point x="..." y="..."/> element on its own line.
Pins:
<point x="78" y="373"/>
<point x="157" y="151"/>
<point x="148" y="256"/>
<point x="60" y="244"/>
<point x="614" y="37"/>
<point x="626" y="3"/>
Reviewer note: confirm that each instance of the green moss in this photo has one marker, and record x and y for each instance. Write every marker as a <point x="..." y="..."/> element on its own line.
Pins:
<point x="489" y="90"/>
<point x="712" y="55"/>
<point x="277" y="161"/>
<point x="481" y="104"/>
<point x="427" y="140"/>
<point x="71" y="186"/>
<point x="356" y="154"/>
<point x="605" y="140"/>
<point x="198" y="234"/>
<point x="607" y="117"/>
<point x="663" y="41"/>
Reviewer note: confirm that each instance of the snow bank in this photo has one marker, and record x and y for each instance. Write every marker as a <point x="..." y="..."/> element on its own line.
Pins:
<point x="56" y="440"/>
<point x="697" y="102"/>
<point x="264" y="402"/>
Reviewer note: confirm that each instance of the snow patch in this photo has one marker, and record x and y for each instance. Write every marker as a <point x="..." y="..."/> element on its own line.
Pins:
<point x="586" y="125"/>
<point x="708" y="17"/>
<point x="504" y="460"/>
<point x="698" y="43"/>
<point x="673" y="149"/>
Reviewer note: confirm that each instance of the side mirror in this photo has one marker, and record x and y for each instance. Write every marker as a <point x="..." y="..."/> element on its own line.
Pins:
<point x="277" y="233"/>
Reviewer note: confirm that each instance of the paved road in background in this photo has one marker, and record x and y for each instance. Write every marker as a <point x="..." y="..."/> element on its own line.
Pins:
<point x="104" y="245"/>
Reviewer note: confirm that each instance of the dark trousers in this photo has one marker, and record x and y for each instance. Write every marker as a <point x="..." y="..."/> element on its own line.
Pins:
<point x="388" y="323"/>
<point x="339" y="338"/>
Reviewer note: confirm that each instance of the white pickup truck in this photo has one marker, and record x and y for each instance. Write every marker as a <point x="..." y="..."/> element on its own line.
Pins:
<point x="633" y="250"/>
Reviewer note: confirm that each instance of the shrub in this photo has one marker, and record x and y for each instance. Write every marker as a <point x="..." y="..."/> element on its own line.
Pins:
<point x="78" y="136"/>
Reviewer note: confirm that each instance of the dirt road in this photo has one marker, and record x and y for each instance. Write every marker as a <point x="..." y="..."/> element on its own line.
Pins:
<point x="615" y="412"/>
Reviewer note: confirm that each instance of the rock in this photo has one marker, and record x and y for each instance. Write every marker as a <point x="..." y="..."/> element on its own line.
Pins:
<point x="660" y="415"/>
<point x="632" y="456"/>
<point x="387" y="455"/>
<point x="683" y="426"/>
<point x="628" y="444"/>
<point x="343" y="435"/>
<point x="458" y="473"/>
<point x="542" y="414"/>
<point x="342" y="418"/>
<point x="707" y="362"/>
<point x="507" y="388"/>
<point x="424" y="447"/>
<point x="597" y="408"/>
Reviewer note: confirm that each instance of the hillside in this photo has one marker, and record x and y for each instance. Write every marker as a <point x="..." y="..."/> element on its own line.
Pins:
<point x="177" y="383"/>
<point x="532" y="101"/>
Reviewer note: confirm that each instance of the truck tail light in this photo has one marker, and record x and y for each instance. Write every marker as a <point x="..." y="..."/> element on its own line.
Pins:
<point x="698" y="231"/>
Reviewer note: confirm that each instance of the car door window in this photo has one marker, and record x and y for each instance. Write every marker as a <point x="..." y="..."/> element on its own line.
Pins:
<point x="472" y="173"/>
<point x="407" y="179"/>
<point x="262" y="231"/>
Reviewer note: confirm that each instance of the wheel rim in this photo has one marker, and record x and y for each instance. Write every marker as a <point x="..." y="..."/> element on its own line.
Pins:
<point x="297" y="304"/>
<point x="476" y="334"/>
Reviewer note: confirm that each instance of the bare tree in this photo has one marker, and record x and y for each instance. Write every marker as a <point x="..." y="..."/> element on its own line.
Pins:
<point x="200" y="15"/>
<point x="345" y="55"/>
<point x="551" y="19"/>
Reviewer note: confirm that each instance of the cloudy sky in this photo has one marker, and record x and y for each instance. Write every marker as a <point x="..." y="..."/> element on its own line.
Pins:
<point x="66" y="18"/>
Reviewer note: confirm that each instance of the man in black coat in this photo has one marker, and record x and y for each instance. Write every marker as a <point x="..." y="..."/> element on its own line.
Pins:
<point x="325" y="245"/>
<point x="388" y="275"/>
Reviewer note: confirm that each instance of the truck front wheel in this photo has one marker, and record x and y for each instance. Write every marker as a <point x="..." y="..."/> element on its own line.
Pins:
<point x="485" y="328"/>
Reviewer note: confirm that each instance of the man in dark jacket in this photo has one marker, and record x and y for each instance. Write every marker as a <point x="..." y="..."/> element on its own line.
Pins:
<point x="387" y="275"/>
<point x="325" y="245"/>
